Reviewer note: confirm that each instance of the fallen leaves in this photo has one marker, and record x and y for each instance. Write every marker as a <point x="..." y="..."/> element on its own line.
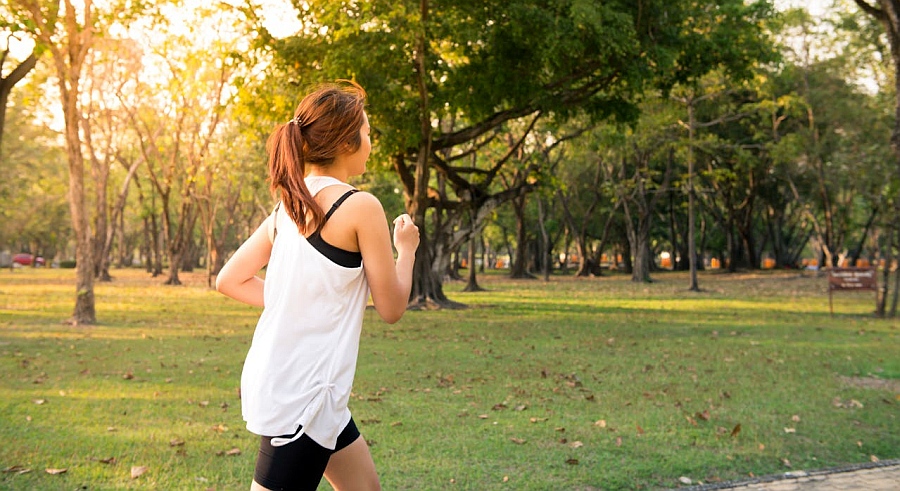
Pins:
<point x="16" y="469"/>
<point x="851" y="404"/>
<point x="234" y="451"/>
<point x="138" y="471"/>
<point x="55" y="472"/>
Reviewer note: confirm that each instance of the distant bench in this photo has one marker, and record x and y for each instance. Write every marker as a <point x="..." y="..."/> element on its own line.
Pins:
<point x="852" y="279"/>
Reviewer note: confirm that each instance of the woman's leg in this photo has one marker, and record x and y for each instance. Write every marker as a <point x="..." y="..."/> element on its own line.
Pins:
<point x="352" y="468"/>
<point x="255" y="486"/>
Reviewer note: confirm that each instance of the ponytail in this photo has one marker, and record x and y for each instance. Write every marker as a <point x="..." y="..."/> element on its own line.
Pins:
<point x="287" y="172"/>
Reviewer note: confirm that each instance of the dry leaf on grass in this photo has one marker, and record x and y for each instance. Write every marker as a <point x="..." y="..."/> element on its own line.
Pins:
<point x="17" y="469"/>
<point x="56" y="471"/>
<point x="572" y="461"/>
<point x="518" y="441"/>
<point x="138" y="470"/>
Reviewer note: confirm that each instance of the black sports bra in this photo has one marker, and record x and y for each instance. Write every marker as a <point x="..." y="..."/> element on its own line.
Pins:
<point x="341" y="257"/>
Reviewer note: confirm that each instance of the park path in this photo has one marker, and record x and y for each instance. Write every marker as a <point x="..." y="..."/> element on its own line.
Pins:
<point x="878" y="476"/>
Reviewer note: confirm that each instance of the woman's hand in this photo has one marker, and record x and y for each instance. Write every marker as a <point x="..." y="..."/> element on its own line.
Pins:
<point x="406" y="235"/>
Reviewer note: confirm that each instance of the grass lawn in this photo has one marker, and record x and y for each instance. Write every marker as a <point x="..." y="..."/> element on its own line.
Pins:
<point x="575" y="384"/>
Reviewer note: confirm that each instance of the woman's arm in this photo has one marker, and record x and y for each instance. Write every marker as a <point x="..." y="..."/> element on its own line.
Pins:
<point x="238" y="278"/>
<point x="389" y="281"/>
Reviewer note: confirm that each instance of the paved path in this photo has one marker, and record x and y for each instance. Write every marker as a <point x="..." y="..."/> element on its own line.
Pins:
<point x="879" y="476"/>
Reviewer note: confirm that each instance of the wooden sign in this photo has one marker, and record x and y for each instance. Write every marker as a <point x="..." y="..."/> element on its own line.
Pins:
<point x="851" y="279"/>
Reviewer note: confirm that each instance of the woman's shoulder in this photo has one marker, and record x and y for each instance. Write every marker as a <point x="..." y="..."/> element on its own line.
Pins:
<point x="353" y="198"/>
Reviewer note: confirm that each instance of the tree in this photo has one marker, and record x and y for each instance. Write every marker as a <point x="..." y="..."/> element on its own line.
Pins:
<point x="68" y="35"/>
<point x="481" y="65"/>
<point x="180" y="120"/>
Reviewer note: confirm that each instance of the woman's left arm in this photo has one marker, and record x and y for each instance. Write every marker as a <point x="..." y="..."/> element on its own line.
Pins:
<point x="238" y="278"/>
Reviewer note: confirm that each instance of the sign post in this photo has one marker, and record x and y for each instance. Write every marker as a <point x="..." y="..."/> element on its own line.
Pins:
<point x="852" y="279"/>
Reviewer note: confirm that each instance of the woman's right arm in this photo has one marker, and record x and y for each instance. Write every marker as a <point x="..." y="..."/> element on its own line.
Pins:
<point x="238" y="278"/>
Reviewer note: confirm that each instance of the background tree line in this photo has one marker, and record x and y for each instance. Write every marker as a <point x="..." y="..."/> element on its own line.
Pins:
<point x="568" y="136"/>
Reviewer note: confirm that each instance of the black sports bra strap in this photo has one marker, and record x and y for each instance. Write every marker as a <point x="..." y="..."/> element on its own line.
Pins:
<point x="275" y="221"/>
<point x="338" y="203"/>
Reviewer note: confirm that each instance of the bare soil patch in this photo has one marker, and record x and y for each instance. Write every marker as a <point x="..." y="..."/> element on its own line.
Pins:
<point x="872" y="383"/>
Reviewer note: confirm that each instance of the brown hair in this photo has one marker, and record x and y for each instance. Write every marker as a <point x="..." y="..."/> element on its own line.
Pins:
<point x="325" y="123"/>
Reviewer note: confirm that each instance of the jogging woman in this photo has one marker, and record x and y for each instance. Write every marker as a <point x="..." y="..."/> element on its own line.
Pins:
<point x="326" y="248"/>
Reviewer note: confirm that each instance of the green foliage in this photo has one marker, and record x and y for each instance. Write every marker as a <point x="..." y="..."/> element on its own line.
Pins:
<point x="484" y="58"/>
<point x="34" y="211"/>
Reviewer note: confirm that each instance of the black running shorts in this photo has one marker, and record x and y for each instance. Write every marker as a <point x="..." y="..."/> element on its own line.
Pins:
<point x="299" y="465"/>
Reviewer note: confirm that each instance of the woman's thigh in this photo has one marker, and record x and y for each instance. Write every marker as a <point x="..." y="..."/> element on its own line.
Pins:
<point x="352" y="468"/>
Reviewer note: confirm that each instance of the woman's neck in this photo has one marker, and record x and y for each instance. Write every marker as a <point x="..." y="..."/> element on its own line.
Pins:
<point x="314" y="174"/>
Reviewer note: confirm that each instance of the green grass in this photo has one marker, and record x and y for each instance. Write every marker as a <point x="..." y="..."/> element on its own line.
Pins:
<point x="506" y="394"/>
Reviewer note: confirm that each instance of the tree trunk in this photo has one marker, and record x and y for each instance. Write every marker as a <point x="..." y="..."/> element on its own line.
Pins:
<point x="519" y="268"/>
<point x="85" y="311"/>
<point x="639" y="241"/>
<point x="545" y="246"/>
<point x="472" y="284"/>
<point x="888" y="255"/>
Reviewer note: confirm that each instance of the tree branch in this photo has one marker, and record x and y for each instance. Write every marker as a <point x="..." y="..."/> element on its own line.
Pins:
<point x="871" y="9"/>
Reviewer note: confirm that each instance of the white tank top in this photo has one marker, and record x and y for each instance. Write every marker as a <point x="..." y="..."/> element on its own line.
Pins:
<point x="301" y="363"/>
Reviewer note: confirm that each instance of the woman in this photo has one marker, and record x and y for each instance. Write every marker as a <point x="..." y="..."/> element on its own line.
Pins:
<point x="322" y="266"/>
